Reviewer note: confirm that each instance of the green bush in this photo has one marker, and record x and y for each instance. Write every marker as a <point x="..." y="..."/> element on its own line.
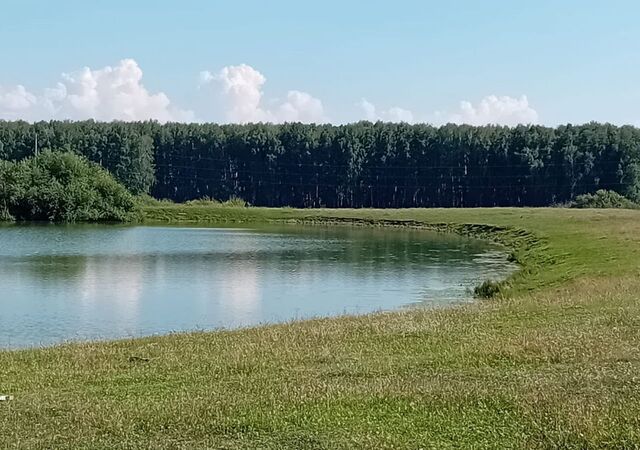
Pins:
<point x="603" y="199"/>
<point x="62" y="187"/>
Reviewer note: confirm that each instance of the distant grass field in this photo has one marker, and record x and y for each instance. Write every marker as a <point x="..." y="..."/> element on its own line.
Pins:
<point x="553" y="363"/>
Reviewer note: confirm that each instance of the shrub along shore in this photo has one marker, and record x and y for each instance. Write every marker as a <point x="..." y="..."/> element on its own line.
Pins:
<point x="62" y="187"/>
<point x="551" y="362"/>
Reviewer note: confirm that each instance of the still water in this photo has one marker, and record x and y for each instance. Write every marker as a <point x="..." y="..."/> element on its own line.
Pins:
<point x="61" y="283"/>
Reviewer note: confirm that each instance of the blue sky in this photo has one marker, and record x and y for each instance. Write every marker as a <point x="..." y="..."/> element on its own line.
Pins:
<point x="575" y="61"/>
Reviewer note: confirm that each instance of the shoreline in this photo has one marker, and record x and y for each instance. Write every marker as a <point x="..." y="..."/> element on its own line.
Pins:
<point x="525" y="248"/>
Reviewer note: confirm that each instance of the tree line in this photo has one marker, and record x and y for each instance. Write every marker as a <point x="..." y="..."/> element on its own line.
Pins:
<point x="363" y="164"/>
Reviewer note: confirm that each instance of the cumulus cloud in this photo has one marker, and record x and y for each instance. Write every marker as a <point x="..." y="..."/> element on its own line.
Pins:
<point x="242" y="87"/>
<point x="109" y="93"/>
<point x="118" y="93"/>
<point x="492" y="109"/>
<point x="394" y="114"/>
<point x="301" y="107"/>
<point x="16" y="101"/>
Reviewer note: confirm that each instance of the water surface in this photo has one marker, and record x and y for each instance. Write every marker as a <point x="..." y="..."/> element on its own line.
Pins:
<point x="60" y="283"/>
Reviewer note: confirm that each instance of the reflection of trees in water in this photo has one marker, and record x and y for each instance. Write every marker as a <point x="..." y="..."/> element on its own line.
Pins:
<point x="311" y="249"/>
<point x="46" y="268"/>
<point x="375" y="247"/>
<point x="353" y="251"/>
<point x="357" y="250"/>
<point x="389" y="257"/>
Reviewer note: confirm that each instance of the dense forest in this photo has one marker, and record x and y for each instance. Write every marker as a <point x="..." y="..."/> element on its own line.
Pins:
<point x="358" y="165"/>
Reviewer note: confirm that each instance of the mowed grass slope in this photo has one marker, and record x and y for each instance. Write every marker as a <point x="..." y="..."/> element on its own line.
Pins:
<point x="554" y="364"/>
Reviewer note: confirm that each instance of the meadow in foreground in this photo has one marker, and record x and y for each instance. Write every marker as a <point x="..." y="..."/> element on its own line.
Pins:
<point x="554" y="362"/>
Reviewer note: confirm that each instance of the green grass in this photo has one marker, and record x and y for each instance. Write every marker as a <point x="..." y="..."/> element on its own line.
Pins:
<point x="552" y="363"/>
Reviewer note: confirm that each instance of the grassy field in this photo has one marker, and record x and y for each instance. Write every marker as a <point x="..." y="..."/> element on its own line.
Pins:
<point x="554" y="363"/>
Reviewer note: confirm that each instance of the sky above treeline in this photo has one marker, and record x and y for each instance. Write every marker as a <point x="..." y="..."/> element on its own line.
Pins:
<point x="336" y="61"/>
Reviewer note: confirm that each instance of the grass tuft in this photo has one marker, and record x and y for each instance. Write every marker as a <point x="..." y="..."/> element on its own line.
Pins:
<point x="488" y="289"/>
<point x="232" y="202"/>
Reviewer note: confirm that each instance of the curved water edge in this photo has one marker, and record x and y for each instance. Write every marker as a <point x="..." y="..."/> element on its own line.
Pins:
<point x="64" y="283"/>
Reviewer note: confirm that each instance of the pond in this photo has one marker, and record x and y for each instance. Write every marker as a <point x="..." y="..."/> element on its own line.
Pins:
<point x="62" y="283"/>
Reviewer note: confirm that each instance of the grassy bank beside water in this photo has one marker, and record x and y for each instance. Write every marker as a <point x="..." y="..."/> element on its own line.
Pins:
<point x="553" y="363"/>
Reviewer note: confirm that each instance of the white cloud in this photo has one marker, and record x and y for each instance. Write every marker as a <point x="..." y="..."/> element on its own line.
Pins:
<point x="492" y="109"/>
<point x="503" y="110"/>
<point x="369" y="110"/>
<point x="110" y="93"/>
<point x="301" y="107"/>
<point x="397" y="114"/>
<point x="118" y="93"/>
<point x="394" y="114"/>
<point x="15" y="102"/>
<point x="242" y="87"/>
<point x="114" y="93"/>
